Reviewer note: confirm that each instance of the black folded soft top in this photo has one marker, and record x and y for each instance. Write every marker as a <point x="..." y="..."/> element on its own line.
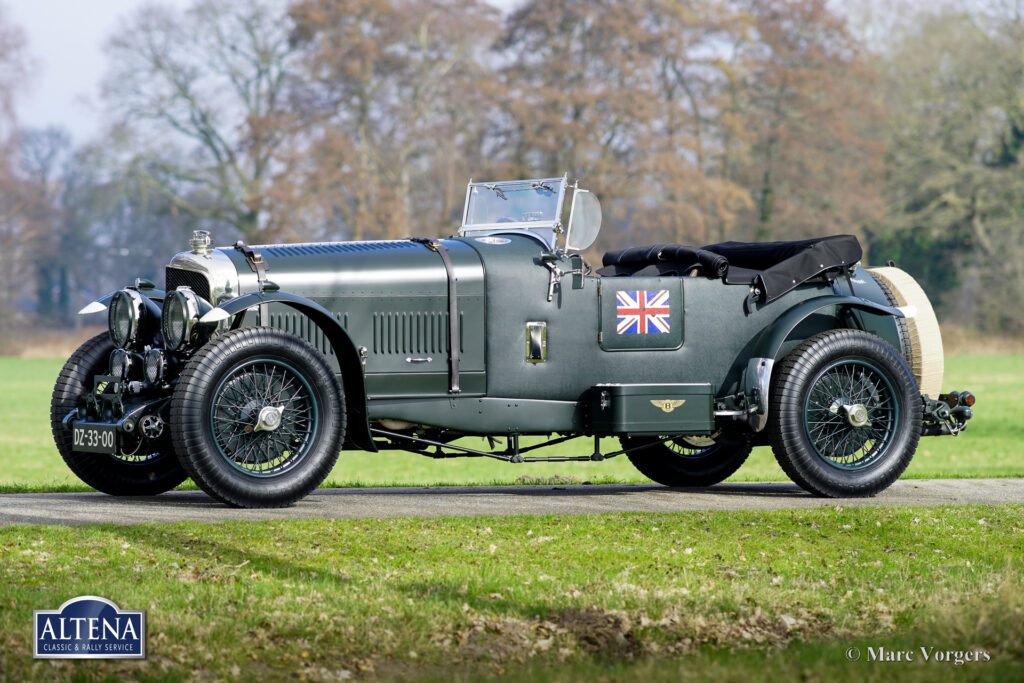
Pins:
<point x="772" y="267"/>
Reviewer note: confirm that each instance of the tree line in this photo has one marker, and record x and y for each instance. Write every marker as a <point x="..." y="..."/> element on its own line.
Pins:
<point x="694" y="121"/>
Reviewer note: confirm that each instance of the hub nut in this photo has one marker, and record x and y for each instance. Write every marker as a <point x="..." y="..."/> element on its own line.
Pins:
<point x="857" y="415"/>
<point x="151" y="426"/>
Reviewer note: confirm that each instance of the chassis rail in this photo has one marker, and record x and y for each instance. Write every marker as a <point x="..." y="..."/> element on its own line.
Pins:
<point x="513" y="453"/>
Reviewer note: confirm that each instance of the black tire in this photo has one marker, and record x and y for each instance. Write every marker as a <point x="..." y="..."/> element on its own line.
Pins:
<point x="138" y="475"/>
<point x="222" y="393"/>
<point x="688" y="461"/>
<point x="819" y="435"/>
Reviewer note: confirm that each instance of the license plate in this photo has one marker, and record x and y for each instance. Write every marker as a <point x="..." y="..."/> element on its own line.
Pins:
<point x="94" y="438"/>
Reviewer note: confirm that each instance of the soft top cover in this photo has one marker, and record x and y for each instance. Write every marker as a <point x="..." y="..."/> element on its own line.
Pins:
<point x="773" y="267"/>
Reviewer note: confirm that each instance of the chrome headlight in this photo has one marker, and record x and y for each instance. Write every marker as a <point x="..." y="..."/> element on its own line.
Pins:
<point x="125" y="312"/>
<point x="120" y="363"/>
<point x="155" y="364"/>
<point x="181" y="313"/>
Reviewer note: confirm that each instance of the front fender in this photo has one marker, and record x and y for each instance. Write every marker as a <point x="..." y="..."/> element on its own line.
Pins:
<point x="102" y="303"/>
<point x="341" y="342"/>
<point x="757" y="380"/>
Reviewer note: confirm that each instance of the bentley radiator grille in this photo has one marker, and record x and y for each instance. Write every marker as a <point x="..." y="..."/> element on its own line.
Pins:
<point x="179" y="277"/>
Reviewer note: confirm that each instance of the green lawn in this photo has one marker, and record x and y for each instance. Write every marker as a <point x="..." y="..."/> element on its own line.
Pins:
<point x="704" y="596"/>
<point x="991" y="447"/>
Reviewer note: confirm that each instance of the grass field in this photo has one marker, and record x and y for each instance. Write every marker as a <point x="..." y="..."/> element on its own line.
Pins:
<point x="991" y="447"/>
<point x="705" y="596"/>
<point x="701" y="596"/>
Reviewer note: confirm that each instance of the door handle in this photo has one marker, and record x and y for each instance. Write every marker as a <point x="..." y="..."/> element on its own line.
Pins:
<point x="419" y="360"/>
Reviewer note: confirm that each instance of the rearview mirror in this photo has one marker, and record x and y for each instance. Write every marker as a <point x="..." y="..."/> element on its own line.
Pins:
<point x="584" y="221"/>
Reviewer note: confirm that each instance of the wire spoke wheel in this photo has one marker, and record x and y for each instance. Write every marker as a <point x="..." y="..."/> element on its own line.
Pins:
<point x="263" y="417"/>
<point x="136" y="458"/>
<point x="691" y="447"/>
<point x="851" y="414"/>
<point x="688" y="460"/>
<point x="258" y="418"/>
<point x="845" y="414"/>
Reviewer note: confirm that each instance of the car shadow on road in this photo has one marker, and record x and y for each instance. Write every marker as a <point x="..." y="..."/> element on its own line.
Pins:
<point x="62" y="508"/>
<point x="199" y="499"/>
<point x="774" y="489"/>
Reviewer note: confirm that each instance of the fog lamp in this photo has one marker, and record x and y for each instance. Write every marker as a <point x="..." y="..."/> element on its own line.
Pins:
<point x="155" y="365"/>
<point x="120" y="363"/>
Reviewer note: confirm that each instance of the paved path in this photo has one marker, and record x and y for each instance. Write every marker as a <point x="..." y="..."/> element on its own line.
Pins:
<point x="468" y="501"/>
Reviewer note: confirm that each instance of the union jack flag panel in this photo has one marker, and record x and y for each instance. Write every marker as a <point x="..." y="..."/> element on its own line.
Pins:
<point x="642" y="312"/>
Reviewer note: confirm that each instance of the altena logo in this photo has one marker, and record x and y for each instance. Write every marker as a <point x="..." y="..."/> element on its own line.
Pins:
<point x="89" y="627"/>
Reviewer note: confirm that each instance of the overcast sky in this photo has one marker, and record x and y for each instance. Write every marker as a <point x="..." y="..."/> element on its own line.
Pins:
<point x="65" y="40"/>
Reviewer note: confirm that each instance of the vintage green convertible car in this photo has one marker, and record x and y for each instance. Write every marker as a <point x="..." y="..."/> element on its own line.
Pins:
<point x="255" y="366"/>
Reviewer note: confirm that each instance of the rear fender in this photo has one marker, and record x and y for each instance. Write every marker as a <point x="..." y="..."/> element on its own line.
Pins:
<point x="341" y="342"/>
<point x="757" y="379"/>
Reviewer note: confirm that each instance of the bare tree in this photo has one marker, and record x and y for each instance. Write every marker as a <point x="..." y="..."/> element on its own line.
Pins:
<point x="42" y="161"/>
<point x="14" y="70"/>
<point x="399" y="95"/>
<point x="18" y="241"/>
<point x="636" y="98"/>
<point x="695" y="136"/>
<point x="809" y="101"/>
<point x="202" y="99"/>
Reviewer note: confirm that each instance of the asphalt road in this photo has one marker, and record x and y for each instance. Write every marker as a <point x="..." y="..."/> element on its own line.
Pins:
<point x="469" y="501"/>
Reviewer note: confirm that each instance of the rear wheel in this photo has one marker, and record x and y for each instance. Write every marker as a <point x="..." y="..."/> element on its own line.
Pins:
<point x="139" y="474"/>
<point x="688" y="460"/>
<point x="845" y="414"/>
<point x="258" y="418"/>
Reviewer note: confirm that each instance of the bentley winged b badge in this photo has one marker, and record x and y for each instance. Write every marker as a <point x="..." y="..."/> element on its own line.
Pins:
<point x="668" y="405"/>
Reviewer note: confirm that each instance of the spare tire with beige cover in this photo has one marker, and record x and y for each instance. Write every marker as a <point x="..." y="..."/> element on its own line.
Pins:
<point x="919" y="333"/>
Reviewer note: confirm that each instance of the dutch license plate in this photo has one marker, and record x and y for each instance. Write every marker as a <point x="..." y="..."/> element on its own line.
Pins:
<point x="94" y="438"/>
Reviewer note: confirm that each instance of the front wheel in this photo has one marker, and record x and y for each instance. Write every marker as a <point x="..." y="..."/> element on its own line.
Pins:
<point x="845" y="414"/>
<point x="688" y="460"/>
<point x="258" y="418"/>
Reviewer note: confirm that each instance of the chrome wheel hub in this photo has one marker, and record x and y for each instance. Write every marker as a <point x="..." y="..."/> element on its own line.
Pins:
<point x="856" y="414"/>
<point x="851" y="414"/>
<point x="269" y="419"/>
